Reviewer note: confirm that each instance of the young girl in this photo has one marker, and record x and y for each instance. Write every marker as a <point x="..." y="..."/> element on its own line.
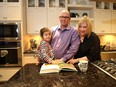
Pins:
<point x="44" y="50"/>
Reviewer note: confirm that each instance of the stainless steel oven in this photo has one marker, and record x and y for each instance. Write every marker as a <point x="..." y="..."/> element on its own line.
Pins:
<point x="10" y="44"/>
<point x="10" y="53"/>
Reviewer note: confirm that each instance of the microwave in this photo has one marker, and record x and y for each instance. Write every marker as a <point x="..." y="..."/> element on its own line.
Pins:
<point x="10" y="31"/>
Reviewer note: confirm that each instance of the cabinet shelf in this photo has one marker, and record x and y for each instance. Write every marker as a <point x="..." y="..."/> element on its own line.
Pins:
<point x="77" y="19"/>
<point x="79" y="7"/>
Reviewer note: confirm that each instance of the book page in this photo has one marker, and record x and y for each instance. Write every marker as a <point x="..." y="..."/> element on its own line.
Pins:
<point x="46" y="66"/>
<point x="67" y="67"/>
<point x="49" y="68"/>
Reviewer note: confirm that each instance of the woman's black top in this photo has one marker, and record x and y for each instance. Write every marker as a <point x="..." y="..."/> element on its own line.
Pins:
<point x="90" y="47"/>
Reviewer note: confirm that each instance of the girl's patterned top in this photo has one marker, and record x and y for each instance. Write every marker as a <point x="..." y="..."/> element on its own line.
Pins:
<point x="45" y="52"/>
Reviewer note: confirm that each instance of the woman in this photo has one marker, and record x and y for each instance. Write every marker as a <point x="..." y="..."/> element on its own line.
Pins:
<point x="89" y="48"/>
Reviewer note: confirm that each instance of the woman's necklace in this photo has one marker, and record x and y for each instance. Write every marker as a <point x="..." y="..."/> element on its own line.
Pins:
<point x="82" y="38"/>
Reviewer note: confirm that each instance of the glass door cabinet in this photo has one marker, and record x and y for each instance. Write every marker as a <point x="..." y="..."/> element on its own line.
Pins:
<point x="9" y="1"/>
<point x="36" y="3"/>
<point x="57" y="3"/>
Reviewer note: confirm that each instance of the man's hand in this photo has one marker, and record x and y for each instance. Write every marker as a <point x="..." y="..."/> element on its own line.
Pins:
<point x="57" y="61"/>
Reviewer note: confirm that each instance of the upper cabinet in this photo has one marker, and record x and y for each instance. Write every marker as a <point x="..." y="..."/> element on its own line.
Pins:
<point x="36" y="19"/>
<point x="78" y="9"/>
<point x="114" y="18"/>
<point x="10" y="10"/>
<point x="114" y="6"/>
<point x="104" y="19"/>
<point x="57" y="3"/>
<point x="46" y="4"/>
<point x="53" y="11"/>
<point x="36" y="16"/>
<point x="103" y="5"/>
<point x="36" y="3"/>
<point x="43" y="13"/>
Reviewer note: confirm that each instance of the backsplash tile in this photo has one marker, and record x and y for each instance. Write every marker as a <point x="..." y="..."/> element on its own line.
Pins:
<point x="111" y="39"/>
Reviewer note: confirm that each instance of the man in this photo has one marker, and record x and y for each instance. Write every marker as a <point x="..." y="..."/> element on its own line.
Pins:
<point x="65" y="40"/>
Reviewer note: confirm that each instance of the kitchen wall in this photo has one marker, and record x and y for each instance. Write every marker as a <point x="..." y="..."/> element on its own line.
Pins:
<point x="27" y="41"/>
<point x="104" y="39"/>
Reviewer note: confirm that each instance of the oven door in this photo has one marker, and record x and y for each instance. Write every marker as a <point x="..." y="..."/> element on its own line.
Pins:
<point x="10" y="56"/>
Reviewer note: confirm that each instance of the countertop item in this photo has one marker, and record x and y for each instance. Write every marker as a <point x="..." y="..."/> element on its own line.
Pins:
<point x="30" y="52"/>
<point x="28" y="76"/>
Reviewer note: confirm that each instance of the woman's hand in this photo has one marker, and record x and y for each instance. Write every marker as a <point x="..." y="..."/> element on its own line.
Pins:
<point x="73" y="61"/>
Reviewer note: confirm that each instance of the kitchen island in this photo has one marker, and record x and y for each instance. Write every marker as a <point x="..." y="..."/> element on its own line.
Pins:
<point x="28" y="76"/>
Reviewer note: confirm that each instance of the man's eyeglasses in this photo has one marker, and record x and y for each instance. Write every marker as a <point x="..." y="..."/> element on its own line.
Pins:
<point x="64" y="17"/>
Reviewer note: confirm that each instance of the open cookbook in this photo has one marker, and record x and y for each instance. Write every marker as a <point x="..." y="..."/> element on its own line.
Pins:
<point x="56" y="68"/>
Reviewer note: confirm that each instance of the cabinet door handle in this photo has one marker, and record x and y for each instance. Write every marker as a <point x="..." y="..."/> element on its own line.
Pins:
<point x="36" y="31"/>
<point x="4" y="17"/>
<point x="103" y="31"/>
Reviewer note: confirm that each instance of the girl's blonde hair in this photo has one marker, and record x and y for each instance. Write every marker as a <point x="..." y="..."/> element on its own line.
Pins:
<point x="87" y="20"/>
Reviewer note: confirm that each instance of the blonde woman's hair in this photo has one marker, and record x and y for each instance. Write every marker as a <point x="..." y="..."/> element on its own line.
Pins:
<point x="87" y="20"/>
